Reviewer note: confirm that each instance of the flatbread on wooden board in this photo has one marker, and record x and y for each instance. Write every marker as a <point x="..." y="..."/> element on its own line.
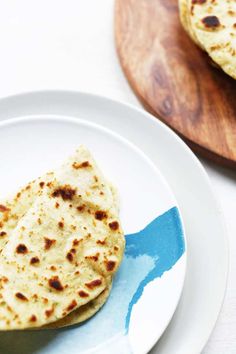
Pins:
<point x="212" y="25"/>
<point x="67" y="246"/>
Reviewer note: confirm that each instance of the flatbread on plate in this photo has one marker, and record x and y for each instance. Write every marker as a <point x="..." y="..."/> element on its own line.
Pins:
<point x="67" y="245"/>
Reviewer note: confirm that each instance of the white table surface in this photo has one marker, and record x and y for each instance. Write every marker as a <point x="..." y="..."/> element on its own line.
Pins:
<point x="69" y="44"/>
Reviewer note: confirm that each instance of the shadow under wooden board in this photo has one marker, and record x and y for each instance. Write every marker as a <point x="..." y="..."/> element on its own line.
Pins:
<point x="174" y="79"/>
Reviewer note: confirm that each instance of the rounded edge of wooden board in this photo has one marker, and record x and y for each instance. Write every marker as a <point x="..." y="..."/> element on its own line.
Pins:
<point x="203" y="151"/>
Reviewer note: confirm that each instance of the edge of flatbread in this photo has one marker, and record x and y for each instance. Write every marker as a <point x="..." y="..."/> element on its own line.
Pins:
<point x="83" y="313"/>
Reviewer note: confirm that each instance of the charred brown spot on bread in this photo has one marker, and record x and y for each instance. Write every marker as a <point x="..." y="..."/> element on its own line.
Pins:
<point x="28" y="187"/>
<point x="70" y="257"/>
<point x="198" y="2"/>
<point x="110" y="265"/>
<point x="55" y="283"/>
<point x="9" y="308"/>
<point x="215" y="47"/>
<point x="72" y="305"/>
<point x="41" y="184"/>
<point x="3" y="234"/>
<point x="76" y="242"/>
<point x="83" y="293"/>
<point x="94" y="283"/>
<point x="3" y="208"/>
<point x="61" y="224"/>
<point x="57" y="205"/>
<point x="114" y="225"/>
<point x="18" y="195"/>
<point x="21" y="296"/>
<point x="211" y="22"/>
<point x="100" y="215"/>
<point x="49" y="312"/>
<point x="53" y="268"/>
<point x="99" y="242"/>
<point x="48" y="243"/>
<point x="84" y="164"/>
<point x="66" y="192"/>
<point x="21" y="249"/>
<point x="6" y="217"/>
<point x="4" y="279"/>
<point x="116" y="248"/>
<point x="77" y="272"/>
<point x="95" y="178"/>
<point x="39" y="221"/>
<point x="34" y="260"/>
<point x="33" y="318"/>
<point x="93" y="257"/>
<point x="81" y="208"/>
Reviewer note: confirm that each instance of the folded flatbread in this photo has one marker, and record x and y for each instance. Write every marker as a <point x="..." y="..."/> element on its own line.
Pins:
<point x="61" y="242"/>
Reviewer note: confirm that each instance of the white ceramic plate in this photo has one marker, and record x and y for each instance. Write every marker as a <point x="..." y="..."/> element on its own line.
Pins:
<point x="148" y="285"/>
<point x="207" y="246"/>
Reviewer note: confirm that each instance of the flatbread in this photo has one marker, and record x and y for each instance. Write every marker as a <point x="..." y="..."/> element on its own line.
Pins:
<point x="76" y="260"/>
<point x="214" y="26"/>
<point x="16" y="207"/>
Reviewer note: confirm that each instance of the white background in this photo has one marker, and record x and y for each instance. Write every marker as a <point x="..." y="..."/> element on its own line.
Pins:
<point x="69" y="44"/>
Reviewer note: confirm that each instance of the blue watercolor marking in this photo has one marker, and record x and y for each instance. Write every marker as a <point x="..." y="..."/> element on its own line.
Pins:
<point x="149" y="253"/>
<point x="163" y="241"/>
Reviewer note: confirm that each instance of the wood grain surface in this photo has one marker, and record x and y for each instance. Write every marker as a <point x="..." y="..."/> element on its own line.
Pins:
<point x="174" y="79"/>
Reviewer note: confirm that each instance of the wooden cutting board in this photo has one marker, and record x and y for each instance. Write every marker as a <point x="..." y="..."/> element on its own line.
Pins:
<point x="174" y="79"/>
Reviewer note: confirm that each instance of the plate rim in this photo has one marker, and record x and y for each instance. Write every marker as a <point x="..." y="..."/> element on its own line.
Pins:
<point x="102" y="99"/>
